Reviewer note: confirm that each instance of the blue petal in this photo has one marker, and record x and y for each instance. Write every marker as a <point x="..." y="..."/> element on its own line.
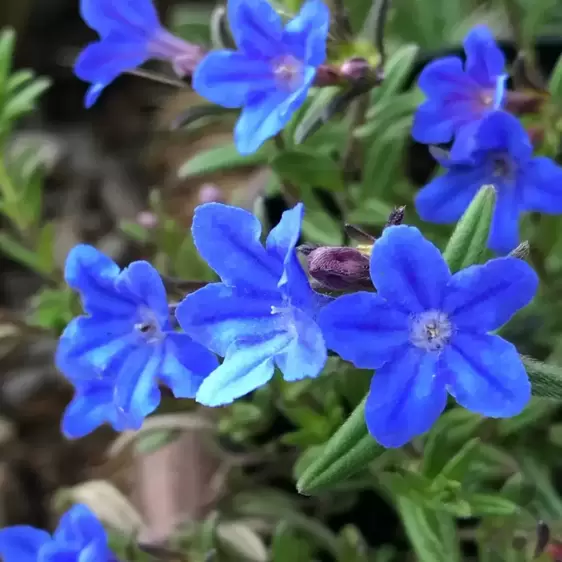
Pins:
<point x="228" y="239"/>
<point x="408" y="270"/>
<point x="136" y="17"/>
<point x="22" y="543"/>
<point x="541" y="186"/>
<point x="79" y="525"/>
<point x="405" y="399"/>
<point x="465" y="142"/>
<point x="431" y="125"/>
<point x="140" y="282"/>
<point x="447" y="197"/>
<point x="442" y="76"/>
<point x="245" y="368"/>
<point x="96" y="552"/>
<point x="217" y="315"/>
<point x="227" y="78"/>
<point x="484" y="60"/>
<point x="282" y="239"/>
<point x="266" y="113"/>
<point x="486" y="375"/>
<point x="483" y="298"/>
<point x="502" y="132"/>
<point x="54" y="552"/>
<point x="364" y="329"/>
<point x="93" y="274"/>
<point x="93" y="93"/>
<point x="306" y="355"/>
<point x="256" y="27"/>
<point x="504" y="230"/>
<point x="136" y="390"/>
<point x="307" y="33"/>
<point x="185" y="365"/>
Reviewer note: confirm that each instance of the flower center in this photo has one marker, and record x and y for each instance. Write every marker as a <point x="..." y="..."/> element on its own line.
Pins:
<point x="502" y="166"/>
<point x="431" y="330"/>
<point x="288" y="72"/>
<point x="148" y="326"/>
<point x="285" y="314"/>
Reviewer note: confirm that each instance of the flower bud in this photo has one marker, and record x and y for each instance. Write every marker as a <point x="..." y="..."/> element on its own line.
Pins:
<point x="209" y="193"/>
<point x="340" y="268"/>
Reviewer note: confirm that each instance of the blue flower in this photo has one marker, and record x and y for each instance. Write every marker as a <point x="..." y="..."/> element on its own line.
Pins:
<point x="80" y="537"/>
<point x="459" y="97"/>
<point x="130" y="34"/>
<point x="270" y="74"/>
<point x="503" y="158"/>
<point x="126" y="342"/>
<point x="262" y="314"/>
<point x="427" y="333"/>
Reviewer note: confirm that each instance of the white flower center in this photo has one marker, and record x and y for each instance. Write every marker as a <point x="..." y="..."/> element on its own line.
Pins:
<point x="431" y="330"/>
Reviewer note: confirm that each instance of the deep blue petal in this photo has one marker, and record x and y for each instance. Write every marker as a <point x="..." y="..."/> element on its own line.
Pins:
<point x="96" y="552"/>
<point x="185" y="365"/>
<point x="405" y="399"/>
<point x="465" y="142"/>
<point x="307" y="33"/>
<point x="446" y="198"/>
<point x="227" y="78"/>
<point x="245" y="368"/>
<point x="93" y="275"/>
<point x="21" y="543"/>
<point x="137" y="18"/>
<point x="283" y="238"/>
<point x="228" y="239"/>
<point x="256" y="27"/>
<point x="408" y="270"/>
<point x="364" y="329"/>
<point x="140" y="282"/>
<point x="541" y="186"/>
<point x="484" y="59"/>
<point x="136" y="390"/>
<point x="504" y="230"/>
<point x="306" y="355"/>
<point x="486" y="375"/>
<point x="54" y="552"/>
<point x="482" y="298"/>
<point x="442" y="76"/>
<point x="431" y="124"/>
<point x="79" y="525"/>
<point x="216" y="315"/>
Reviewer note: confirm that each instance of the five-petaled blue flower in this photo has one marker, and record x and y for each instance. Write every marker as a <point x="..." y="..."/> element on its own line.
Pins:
<point x="502" y="158"/>
<point x="79" y="537"/>
<point x="127" y="342"/>
<point x="426" y="332"/>
<point x="130" y="34"/>
<point x="270" y="74"/>
<point x="459" y="97"/>
<point x="262" y="315"/>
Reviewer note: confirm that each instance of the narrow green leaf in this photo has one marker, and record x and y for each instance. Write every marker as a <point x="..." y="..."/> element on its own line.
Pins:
<point x="468" y="242"/>
<point x="7" y="42"/>
<point x="18" y="79"/>
<point x="25" y="99"/>
<point x="555" y="83"/>
<point x="15" y="250"/>
<point x="488" y="504"/>
<point x="459" y="464"/>
<point x="396" y="71"/>
<point x="221" y="158"/>
<point x="286" y="546"/>
<point x="546" y="380"/>
<point x="45" y="248"/>
<point x="318" y="225"/>
<point x="306" y="167"/>
<point x="315" y="115"/>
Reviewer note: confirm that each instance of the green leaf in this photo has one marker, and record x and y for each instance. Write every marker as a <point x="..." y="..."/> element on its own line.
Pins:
<point x="45" y="248"/>
<point x="224" y="157"/>
<point x="460" y="463"/>
<point x="347" y="452"/>
<point x="468" y="242"/>
<point x="52" y="309"/>
<point x="7" y="43"/>
<point x="15" y="250"/>
<point x="307" y="168"/>
<point x="135" y="231"/>
<point x="488" y="504"/>
<point x="318" y="224"/>
<point x="396" y="72"/>
<point x="150" y="441"/>
<point x="24" y="100"/>
<point x="315" y="115"/>
<point x="546" y="380"/>
<point x="287" y="546"/>
<point x="351" y="546"/>
<point x="189" y="264"/>
<point x="555" y="83"/>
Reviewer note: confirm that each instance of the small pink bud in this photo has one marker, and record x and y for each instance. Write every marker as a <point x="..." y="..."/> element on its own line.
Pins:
<point x="209" y="193"/>
<point x="147" y="219"/>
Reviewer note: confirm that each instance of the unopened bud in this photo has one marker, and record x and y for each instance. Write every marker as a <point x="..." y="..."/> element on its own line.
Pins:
<point x="521" y="252"/>
<point x="355" y="69"/>
<point x="340" y="268"/>
<point x="209" y="193"/>
<point x="396" y="217"/>
<point x="147" y="219"/>
<point x="543" y="538"/>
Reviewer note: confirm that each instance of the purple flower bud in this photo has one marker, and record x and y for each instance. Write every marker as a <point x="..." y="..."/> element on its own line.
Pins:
<point x="340" y="268"/>
<point x="209" y="193"/>
<point x="147" y="219"/>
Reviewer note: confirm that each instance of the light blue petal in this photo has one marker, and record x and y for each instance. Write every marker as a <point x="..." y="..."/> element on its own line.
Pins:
<point x="137" y="17"/>
<point x="140" y="282"/>
<point x="21" y="543"/>
<point x="405" y="399"/>
<point x="541" y="186"/>
<point x="486" y="375"/>
<point x="96" y="552"/>
<point x="185" y="365"/>
<point x="94" y="92"/>
<point x="306" y="34"/>
<point x="483" y="298"/>
<point x="446" y="198"/>
<point x="228" y="239"/>
<point x="256" y="27"/>
<point x="408" y="270"/>
<point x="79" y="525"/>
<point x="282" y="239"/>
<point x="245" y="368"/>
<point x="364" y="329"/>
<point x="504" y="230"/>
<point x="484" y="59"/>
<point x="306" y="355"/>
<point x="227" y="78"/>
<point x="136" y="390"/>
<point x="217" y="315"/>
